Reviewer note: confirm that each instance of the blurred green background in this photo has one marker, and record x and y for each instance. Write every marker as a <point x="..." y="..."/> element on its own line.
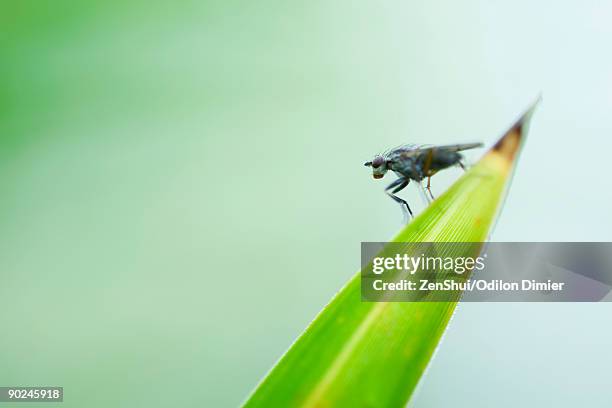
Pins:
<point x="182" y="187"/>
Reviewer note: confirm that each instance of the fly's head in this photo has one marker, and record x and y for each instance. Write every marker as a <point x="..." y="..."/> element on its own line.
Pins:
<point x="379" y="166"/>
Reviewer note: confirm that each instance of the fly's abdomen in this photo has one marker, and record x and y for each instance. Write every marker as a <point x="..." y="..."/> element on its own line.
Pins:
<point x="439" y="160"/>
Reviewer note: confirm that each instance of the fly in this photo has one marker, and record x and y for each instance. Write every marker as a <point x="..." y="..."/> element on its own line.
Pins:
<point x="416" y="162"/>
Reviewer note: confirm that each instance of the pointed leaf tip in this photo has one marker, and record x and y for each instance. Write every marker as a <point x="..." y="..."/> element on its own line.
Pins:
<point x="509" y="144"/>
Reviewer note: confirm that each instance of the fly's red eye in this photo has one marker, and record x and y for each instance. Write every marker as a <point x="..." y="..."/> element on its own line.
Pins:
<point x="378" y="161"/>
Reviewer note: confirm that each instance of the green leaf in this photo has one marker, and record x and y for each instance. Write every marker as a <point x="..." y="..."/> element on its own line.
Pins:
<point x="373" y="354"/>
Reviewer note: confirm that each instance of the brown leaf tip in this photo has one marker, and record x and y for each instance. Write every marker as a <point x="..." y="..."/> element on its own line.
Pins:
<point x="508" y="145"/>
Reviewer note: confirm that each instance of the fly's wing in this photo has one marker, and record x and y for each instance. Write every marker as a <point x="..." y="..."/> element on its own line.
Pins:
<point x="416" y="150"/>
<point x="459" y="147"/>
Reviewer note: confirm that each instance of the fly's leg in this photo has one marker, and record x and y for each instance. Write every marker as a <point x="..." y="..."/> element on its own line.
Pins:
<point x="419" y="173"/>
<point x="395" y="188"/>
<point x="424" y="195"/>
<point x="462" y="165"/>
<point x="428" y="188"/>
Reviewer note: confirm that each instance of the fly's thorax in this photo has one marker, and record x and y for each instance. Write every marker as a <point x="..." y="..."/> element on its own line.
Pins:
<point x="407" y="167"/>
